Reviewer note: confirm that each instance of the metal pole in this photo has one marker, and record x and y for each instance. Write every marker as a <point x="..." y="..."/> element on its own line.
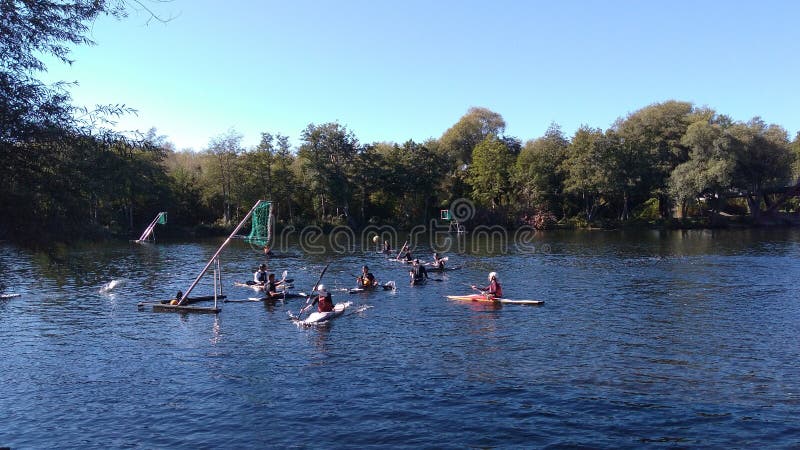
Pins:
<point x="219" y="250"/>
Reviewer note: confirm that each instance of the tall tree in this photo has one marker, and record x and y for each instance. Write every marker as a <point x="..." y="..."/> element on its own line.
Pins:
<point x="328" y="152"/>
<point x="225" y="150"/>
<point x="538" y="169"/>
<point x="763" y="159"/>
<point x="654" y="135"/>
<point x="708" y="171"/>
<point x="490" y="172"/>
<point x="477" y="124"/>
<point x="586" y="168"/>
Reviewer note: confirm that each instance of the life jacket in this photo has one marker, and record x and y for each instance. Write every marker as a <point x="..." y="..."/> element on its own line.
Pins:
<point x="272" y="286"/>
<point x="420" y="272"/>
<point x="261" y="277"/>
<point x="367" y="280"/>
<point x="495" y="289"/>
<point x="325" y="303"/>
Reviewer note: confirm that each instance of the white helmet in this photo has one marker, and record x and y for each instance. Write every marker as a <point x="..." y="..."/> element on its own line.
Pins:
<point x="492" y="275"/>
<point x="320" y="288"/>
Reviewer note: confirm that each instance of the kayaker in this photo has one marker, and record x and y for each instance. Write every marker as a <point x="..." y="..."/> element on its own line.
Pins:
<point x="260" y="277"/>
<point x="268" y="251"/>
<point x="272" y="287"/>
<point x="324" y="300"/>
<point x="367" y="279"/>
<point x="177" y="298"/>
<point x="418" y="273"/>
<point x="438" y="263"/>
<point x="494" y="290"/>
<point x="386" y="247"/>
<point x="406" y="256"/>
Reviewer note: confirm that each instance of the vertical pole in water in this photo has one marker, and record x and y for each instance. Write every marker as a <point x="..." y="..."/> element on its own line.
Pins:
<point x="216" y="273"/>
<point x="219" y="250"/>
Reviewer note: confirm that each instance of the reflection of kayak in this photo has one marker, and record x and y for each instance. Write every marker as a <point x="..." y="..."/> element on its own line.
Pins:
<point x="443" y="269"/>
<point x="323" y="317"/>
<point x="389" y="286"/>
<point x="415" y="282"/>
<point x="483" y="299"/>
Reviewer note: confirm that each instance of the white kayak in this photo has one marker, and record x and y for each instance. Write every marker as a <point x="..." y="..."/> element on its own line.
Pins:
<point x="3" y="296"/>
<point x="322" y="317"/>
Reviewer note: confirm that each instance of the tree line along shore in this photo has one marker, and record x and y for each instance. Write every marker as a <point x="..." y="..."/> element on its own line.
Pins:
<point x="68" y="175"/>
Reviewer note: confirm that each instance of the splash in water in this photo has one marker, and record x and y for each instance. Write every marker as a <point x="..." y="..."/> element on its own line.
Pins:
<point x="110" y="286"/>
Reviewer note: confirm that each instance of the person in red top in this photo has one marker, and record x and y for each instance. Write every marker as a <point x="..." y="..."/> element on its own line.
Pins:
<point x="494" y="290"/>
<point x="324" y="300"/>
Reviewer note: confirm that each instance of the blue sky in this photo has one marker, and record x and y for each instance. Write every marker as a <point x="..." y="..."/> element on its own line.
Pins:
<point x="393" y="71"/>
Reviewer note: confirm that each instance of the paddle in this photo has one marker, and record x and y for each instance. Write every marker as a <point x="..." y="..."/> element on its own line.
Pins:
<point x="283" y="280"/>
<point x="308" y="298"/>
<point x="483" y="293"/>
<point x="401" y="250"/>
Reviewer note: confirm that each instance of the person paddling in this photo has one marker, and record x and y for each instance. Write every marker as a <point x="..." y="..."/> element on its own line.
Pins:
<point x="260" y="277"/>
<point x="405" y="255"/>
<point x="494" y="290"/>
<point x="418" y="273"/>
<point x="386" y="247"/>
<point x="367" y="279"/>
<point x="324" y="301"/>
<point x="438" y="263"/>
<point x="272" y="287"/>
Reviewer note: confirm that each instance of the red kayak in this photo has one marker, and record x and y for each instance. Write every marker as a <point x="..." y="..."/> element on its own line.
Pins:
<point x="484" y="299"/>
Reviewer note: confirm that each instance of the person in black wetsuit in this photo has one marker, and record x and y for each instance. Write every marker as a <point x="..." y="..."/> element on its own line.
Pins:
<point x="418" y="273"/>
<point x="438" y="263"/>
<point x="272" y="287"/>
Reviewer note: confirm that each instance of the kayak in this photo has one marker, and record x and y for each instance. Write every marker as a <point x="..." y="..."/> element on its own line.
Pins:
<point x="317" y="317"/>
<point x="289" y="295"/>
<point x="442" y="269"/>
<point x="259" y="287"/>
<point x="388" y="286"/>
<point x="483" y="299"/>
<point x="4" y="296"/>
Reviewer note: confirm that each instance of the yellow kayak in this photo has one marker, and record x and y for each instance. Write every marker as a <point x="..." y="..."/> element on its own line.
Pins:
<point x="484" y="299"/>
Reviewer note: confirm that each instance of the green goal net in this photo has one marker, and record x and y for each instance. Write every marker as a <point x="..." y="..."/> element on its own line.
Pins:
<point x="261" y="225"/>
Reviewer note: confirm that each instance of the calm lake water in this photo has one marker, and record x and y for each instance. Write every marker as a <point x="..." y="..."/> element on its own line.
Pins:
<point x="684" y="338"/>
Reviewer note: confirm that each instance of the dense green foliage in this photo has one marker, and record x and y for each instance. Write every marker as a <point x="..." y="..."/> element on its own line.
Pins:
<point x="66" y="176"/>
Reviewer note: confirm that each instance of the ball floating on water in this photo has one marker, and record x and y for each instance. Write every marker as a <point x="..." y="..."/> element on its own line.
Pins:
<point x="375" y="239"/>
<point x="174" y="302"/>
